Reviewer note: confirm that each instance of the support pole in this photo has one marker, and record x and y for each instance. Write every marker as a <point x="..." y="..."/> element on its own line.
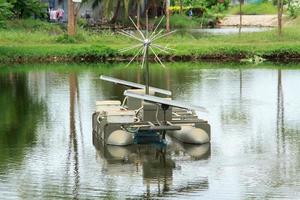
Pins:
<point x="147" y="24"/>
<point x="146" y="70"/>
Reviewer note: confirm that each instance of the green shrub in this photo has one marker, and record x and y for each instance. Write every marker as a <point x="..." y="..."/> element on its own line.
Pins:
<point x="198" y="11"/>
<point x="94" y="51"/>
<point x="28" y="8"/>
<point x="293" y="8"/>
<point x="217" y="3"/>
<point x="182" y="22"/>
<point x="34" y="25"/>
<point x="66" y="39"/>
<point x="81" y="22"/>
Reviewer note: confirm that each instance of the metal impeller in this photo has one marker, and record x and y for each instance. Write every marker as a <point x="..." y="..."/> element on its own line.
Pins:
<point x="146" y="43"/>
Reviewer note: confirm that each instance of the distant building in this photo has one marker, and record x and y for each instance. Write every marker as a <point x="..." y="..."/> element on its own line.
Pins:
<point x="85" y="8"/>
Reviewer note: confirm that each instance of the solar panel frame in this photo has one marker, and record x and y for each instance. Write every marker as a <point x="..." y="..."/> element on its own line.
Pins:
<point x="134" y="85"/>
<point x="162" y="101"/>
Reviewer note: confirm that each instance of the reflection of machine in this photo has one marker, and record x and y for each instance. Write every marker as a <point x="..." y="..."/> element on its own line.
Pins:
<point x="156" y="162"/>
<point x="195" y="152"/>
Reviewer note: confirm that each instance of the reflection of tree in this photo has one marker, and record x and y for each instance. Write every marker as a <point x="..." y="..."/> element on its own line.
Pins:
<point x="235" y="112"/>
<point x="20" y="114"/>
<point x="159" y="77"/>
<point x="241" y="83"/>
<point x="73" y="144"/>
<point x="280" y="113"/>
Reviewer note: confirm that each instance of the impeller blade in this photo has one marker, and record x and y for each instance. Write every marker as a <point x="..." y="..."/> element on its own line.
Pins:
<point x="160" y="49"/>
<point x="164" y="35"/>
<point x="155" y="36"/>
<point x="157" y="26"/>
<point x="134" y="57"/>
<point x="137" y="28"/>
<point x="164" y="48"/>
<point x="130" y="35"/>
<point x="157" y="57"/>
<point x="130" y="48"/>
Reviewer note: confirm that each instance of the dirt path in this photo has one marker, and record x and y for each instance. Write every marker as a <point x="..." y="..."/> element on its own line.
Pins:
<point x="250" y="20"/>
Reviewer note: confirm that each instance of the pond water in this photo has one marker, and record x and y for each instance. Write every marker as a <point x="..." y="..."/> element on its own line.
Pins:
<point x="229" y="30"/>
<point x="47" y="147"/>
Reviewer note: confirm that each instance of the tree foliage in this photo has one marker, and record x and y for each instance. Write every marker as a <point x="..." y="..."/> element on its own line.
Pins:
<point x="28" y="8"/>
<point x="21" y="9"/>
<point x="5" y="11"/>
<point x="206" y="3"/>
<point x="293" y="8"/>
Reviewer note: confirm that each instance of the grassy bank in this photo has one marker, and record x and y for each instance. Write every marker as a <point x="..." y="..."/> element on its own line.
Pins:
<point x="266" y="8"/>
<point x="41" y="45"/>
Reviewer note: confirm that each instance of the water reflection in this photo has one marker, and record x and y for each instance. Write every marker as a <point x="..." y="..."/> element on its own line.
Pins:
<point x="156" y="162"/>
<point x="235" y="111"/>
<point x="280" y="113"/>
<point x="241" y="83"/>
<point x="19" y="118"/>
<point x="46" y="148"/>
<point x="73" y="144"/>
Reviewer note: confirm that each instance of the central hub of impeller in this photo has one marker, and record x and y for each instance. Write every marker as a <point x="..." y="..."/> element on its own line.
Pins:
<point x="147" y="42"/>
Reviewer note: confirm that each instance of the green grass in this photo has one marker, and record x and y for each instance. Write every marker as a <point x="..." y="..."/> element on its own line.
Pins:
<point x="26" y="45"/>
<point x="255" y="9"/>
<point x="182" y="22"/>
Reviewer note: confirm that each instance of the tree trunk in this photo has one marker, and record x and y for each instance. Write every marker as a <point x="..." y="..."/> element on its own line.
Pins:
<point x="181" y="7"/>
<point x="280" y="12"/>
<point x="241" y="20"/>
<point x="126" y="8"/>
<point x="114" y="18"/>
<point x="71" y="18"/>
<point x="167" y="15"/>
<point x="138" y="14"/>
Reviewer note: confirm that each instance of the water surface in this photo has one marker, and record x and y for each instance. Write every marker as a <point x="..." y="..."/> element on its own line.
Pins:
<point x="229" y="30"/>
<point x="47" y="149"/>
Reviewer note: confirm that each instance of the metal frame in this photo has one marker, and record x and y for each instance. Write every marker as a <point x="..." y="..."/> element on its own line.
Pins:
<point x="134" y="85"/>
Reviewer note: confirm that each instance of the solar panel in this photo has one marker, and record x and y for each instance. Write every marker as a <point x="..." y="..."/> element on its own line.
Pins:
<point x="163" y="101"/>
<point x="134" y="85"/>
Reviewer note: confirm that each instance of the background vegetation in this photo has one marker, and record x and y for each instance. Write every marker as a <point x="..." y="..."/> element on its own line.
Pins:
<point x="255" y="9"/>
<point x="29" y="40"/>
<point x="25" y="44"/>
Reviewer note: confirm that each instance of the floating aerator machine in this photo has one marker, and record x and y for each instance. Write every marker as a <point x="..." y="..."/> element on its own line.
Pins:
<point x="144" y="117"/>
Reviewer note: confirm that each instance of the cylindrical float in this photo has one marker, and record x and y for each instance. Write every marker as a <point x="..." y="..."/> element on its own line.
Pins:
<point x="120" y="138"/>
<point x="191" y="135"/>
